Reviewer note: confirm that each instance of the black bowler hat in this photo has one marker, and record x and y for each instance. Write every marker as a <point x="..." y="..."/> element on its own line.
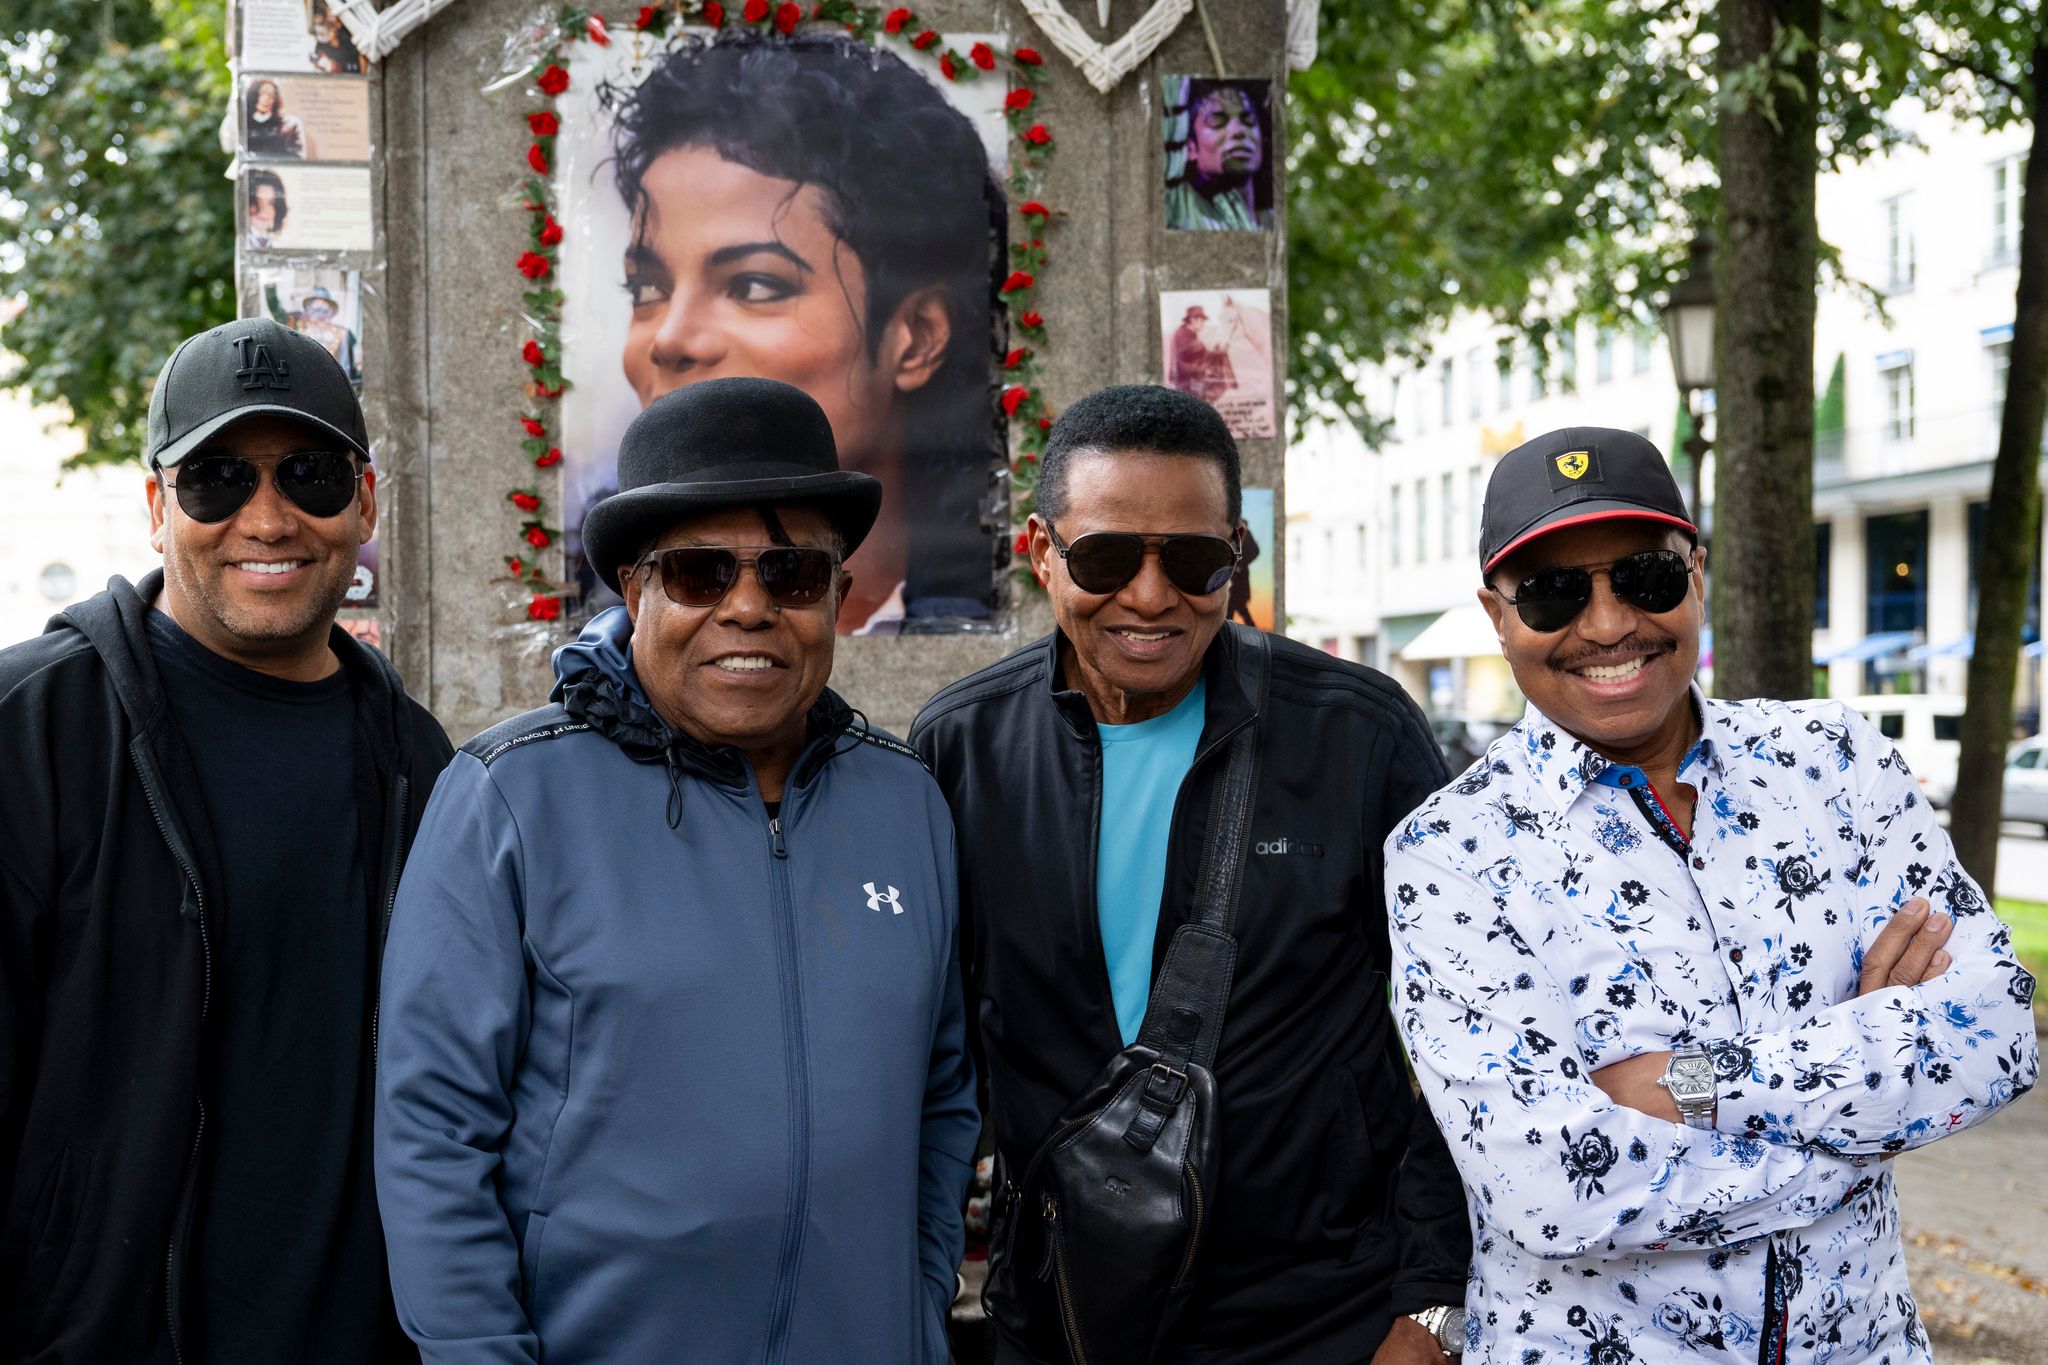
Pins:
<point x="249" y="368"/>
<point x="1572" y="477"/>
<point x="724" y="443"/>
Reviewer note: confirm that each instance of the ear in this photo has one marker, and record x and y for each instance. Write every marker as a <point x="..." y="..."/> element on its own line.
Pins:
<point x="366" y="503"/>
<point x="1495" y="612"/>
<point x="153" y="490"/>
<point x="1039" y="549"/>
<point x="630" y="584"/>
<point x="914" y="343"/>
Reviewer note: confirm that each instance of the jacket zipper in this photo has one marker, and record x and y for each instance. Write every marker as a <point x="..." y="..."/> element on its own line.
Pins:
<point x="798" y="1063"/>
<point x="1055" y="1248"/>
<point x="401" y="793"/>
<point x="183" y="858"/>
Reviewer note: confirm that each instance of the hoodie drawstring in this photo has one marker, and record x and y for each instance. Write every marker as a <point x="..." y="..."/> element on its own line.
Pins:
<point x="675" y="787"/>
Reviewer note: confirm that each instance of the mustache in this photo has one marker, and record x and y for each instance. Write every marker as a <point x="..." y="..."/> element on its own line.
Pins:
<point x="1635" y="642"/>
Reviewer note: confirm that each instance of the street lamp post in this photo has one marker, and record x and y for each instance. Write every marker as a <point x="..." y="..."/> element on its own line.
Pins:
<point x="1689" y="325"/>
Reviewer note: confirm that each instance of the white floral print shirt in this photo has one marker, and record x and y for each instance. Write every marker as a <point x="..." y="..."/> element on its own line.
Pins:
<point x="1549" y="919"/>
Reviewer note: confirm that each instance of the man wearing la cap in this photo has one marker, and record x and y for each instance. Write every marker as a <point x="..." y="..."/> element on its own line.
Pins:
<point x="1668" y="970"/>
<point x="210" y="792"/>
<point x="673" y="1064"/>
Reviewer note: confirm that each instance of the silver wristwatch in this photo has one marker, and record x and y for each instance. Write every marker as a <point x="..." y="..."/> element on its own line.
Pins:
<point x="1447" y="1325"/>
<point x="1690" y="1079"/>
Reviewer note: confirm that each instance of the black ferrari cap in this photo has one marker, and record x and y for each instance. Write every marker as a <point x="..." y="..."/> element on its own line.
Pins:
<point x="1572" y="477"/>
<point x="247" y="368"/>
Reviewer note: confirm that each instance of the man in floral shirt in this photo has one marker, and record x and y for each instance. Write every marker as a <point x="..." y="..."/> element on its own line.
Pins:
<point x="1668" y="968"/>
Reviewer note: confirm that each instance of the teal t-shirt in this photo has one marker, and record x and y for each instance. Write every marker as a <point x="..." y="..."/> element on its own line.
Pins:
<point x="1142" y="766"/>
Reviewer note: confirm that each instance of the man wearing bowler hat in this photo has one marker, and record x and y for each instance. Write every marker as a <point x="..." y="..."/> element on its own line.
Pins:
<point x="1668" y="968"/>
<point x="210" y="791"/>
<point x="673" y="1062"/>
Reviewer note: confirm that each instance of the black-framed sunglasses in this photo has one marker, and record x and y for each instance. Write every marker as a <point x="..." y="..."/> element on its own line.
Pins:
<point x="213" y="486"/>
<point x="1104" y="561"/>
<point x="701" y="575"/>
<point x="1551" y="599"/>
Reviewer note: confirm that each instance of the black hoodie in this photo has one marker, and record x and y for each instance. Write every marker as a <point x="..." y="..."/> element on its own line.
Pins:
<point x="106" y="972"/>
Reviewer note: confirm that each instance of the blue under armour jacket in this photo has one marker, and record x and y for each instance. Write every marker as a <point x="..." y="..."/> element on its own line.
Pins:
<point x="662" y="1081"/>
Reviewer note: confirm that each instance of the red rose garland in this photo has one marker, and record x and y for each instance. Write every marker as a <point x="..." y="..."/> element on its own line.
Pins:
<point x="1022" y="400"/>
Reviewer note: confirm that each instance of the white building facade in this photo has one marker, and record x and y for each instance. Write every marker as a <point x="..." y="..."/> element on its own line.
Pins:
<point x="1383" y="547"/>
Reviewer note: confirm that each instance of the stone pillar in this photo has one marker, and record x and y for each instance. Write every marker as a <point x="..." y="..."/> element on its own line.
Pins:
<point x="445" y="372"/>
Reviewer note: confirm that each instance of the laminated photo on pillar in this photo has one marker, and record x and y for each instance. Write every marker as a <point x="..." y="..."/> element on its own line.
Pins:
<point x="1218" y="136"/>
<point x="810" y="209"/>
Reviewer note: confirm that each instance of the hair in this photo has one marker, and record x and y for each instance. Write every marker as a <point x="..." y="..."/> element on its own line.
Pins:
<point x="908" y="188"/>
<point x="276" y="183"/>
<point x="255" y="91"/>
<point x="1137" y="419"/>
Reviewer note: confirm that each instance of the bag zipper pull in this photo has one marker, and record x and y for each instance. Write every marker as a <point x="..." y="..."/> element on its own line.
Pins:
<point x="1052" y="1217"/>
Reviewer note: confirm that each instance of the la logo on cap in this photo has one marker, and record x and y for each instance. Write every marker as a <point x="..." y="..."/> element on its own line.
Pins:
<point x="1573" y="464"/>
<point x="260" y="369"/>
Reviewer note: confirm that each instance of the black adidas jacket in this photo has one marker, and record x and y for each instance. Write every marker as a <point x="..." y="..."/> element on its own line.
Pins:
<point x="1340" y="1206"/>
<point x="106" y="866"/>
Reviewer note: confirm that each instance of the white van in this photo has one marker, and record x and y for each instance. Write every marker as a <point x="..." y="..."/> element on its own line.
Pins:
<point x="1928" y="731"/>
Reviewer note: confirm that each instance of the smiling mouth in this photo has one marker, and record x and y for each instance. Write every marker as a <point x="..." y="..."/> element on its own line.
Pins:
<point x="744" y="663"/>
<point x="270" y="567"/>
<point x="1143" y="637"/>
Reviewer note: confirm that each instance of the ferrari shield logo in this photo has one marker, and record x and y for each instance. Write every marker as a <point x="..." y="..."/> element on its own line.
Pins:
<point x="1573" y="463"/>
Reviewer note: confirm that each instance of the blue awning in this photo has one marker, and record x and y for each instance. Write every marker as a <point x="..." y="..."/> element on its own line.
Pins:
<point x="1874" y="647"/>
<point x="1920" y="654"/>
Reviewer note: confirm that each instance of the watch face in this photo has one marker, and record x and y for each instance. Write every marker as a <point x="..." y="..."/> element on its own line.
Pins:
<point x="1692" y="1078"/>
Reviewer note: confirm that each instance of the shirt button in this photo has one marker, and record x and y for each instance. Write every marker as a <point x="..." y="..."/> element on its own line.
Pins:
<point x="1699" y="864"/>
<point x="1735" y="954"/>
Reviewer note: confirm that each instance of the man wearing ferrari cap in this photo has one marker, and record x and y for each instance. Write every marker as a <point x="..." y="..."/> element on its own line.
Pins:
<point x="673" y="1063"/>
<point x="1679" y="973"/>
<point x="210" y="792"/>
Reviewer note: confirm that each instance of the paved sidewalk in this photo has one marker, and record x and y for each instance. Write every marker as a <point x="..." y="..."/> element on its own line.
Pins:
<point x="1975" y="1209"/>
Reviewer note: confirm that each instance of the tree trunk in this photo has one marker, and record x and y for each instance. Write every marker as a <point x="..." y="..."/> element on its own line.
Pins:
<point x="1764" y="271"/>
<point x="2012" y="528"/>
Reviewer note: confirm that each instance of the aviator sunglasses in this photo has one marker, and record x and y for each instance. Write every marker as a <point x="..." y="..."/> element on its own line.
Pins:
<point x="701" y="575"/>
<point x="1104" y="561"/>
<point x="1551" y="599"/>
<point x="213" y="487"/>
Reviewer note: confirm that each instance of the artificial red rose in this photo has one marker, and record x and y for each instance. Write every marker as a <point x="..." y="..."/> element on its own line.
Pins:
<point x="1028" y="56"/>
<point x="1015" y="358"/>
<point x="924" y="40"/>
<point x="599" y="34"/>
<point x="549" y="460"/>
<point x="1013" y="398"/>
<point x="1034" y="318"/>
<point x="1031" y="208"/>
<point x="714" y="14"/>
<point x="948" y="69"/>
<point x="895" y="19"/>
<point x="550" y="231"/>
<point x="526" y="502"/>
<point x="533" y="353"/>
<point x="514" y="565"/>
<point x="646" y="19"/>
<point x="1038" y="135"/>
<point x="1019" y="99"/>
<point x="533" y="428"/>
<point x="1044" y="424"/>
<point x="787" y="16"/>
<point x="983" y="56"/>
<point x="544" y="607"/>
<point x="538" y="538"/>
<point x="1023" y="545"/>
<point x="553" y="81"/>
<point x="1018" y="280"/>
<point x="544" y="123"/>
<point x="533" y="265"/>
<point x="755" y="11"/>
<point x="537" y="158"/>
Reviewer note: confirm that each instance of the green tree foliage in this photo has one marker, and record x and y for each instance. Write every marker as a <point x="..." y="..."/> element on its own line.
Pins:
<point x="119" y="234"/>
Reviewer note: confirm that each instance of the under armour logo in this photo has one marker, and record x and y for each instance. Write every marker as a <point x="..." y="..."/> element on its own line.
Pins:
<point x="878" y="899"/>
<point x="260" y="370"/>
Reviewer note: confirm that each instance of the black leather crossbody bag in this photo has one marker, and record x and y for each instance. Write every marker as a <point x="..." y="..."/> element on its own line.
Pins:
<point x="1098" y="1245"/>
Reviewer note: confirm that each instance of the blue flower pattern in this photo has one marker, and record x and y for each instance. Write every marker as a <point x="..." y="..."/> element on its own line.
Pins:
<point x="1549" y="919"/>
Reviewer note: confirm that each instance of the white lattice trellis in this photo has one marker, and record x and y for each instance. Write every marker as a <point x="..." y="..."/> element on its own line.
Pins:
<point x="377" y="31"/>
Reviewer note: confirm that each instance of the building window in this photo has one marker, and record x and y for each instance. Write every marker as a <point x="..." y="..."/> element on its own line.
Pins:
<point x="1539" y="385"/>
<point x="1394" y="404"/>
<point x="1895" y="551"/>
<point x="2008" y="186"/>
<point x="1999" y="355"/>
<point x="1448" y="513"/>
<point x="1447" y="368"/>
<point x="1421" y="527"/>
<point x="1477" y="490"/>
<point x="1475" y="365"/>
<point x="1394" y="526"/>
<point x="1898" y="400"/>
<point x="1568" y="362"/>
<point x="1603" y="356"/>
<point x="1823" y="543"/>
<point x="1362" y="563"/>
<point x="1504" y="378"/>
<point x="1644" y="339"/>
<point x="1900" y="266"/>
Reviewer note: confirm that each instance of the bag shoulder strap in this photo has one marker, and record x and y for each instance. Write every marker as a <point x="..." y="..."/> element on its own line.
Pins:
<point x="1184" y="1017"/>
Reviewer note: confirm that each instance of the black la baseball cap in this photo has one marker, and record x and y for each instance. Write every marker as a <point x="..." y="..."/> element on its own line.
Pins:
<point x="1572" y="477"/>
<point x="247" y="368"/>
